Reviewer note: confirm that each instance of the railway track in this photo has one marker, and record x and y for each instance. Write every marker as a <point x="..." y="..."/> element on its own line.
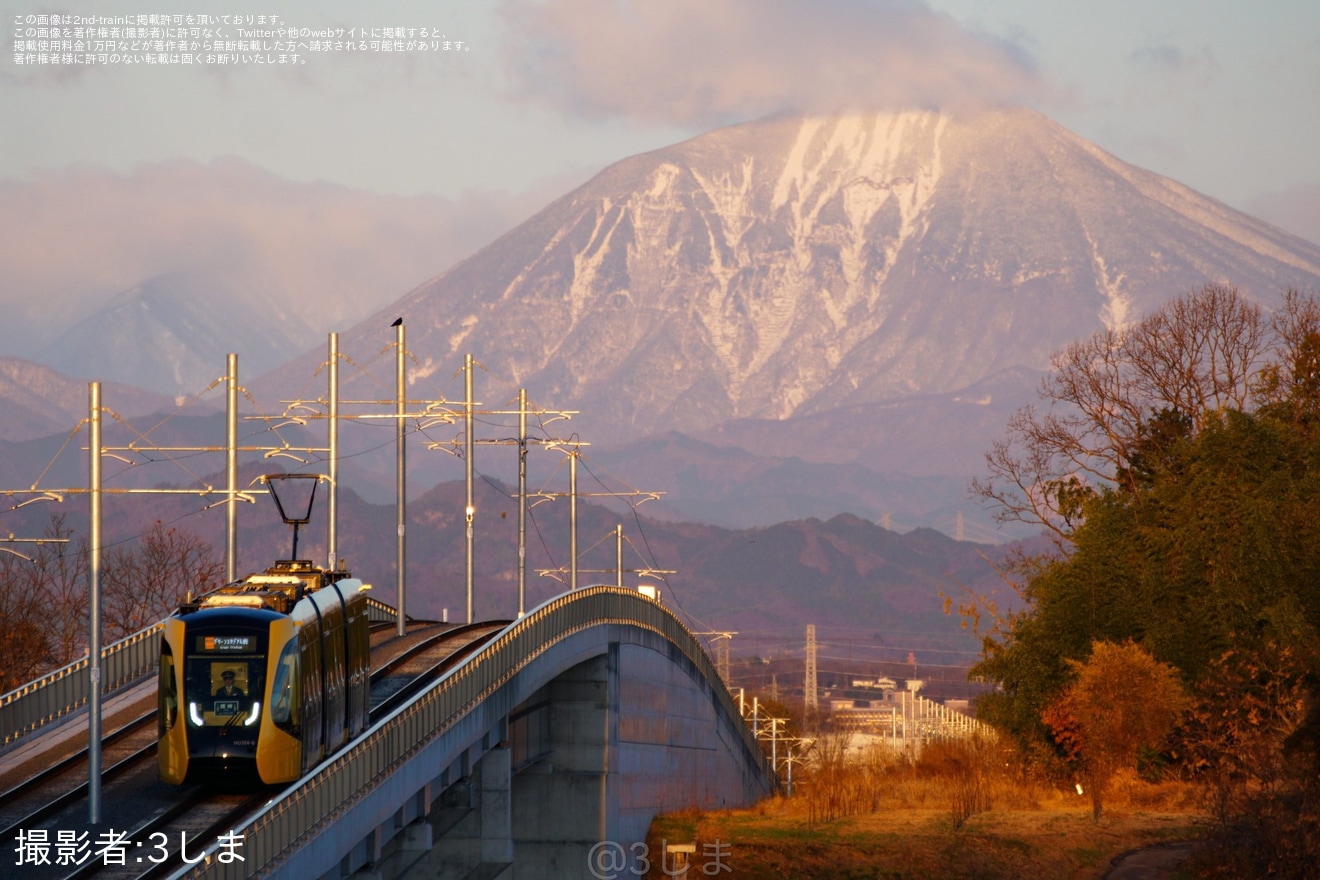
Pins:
<point x="30" y="800"/>
<point x="151" y="829"/>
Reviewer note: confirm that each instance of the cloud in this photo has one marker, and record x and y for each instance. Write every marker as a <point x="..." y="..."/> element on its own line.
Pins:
<point x="328" y="253"/>
<point x="696" y="62"/>
<point x="1195" y="68"/>
<point x="1166" y="56"/>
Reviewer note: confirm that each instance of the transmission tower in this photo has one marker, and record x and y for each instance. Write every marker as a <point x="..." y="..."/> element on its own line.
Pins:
<point x="809" y="694"/>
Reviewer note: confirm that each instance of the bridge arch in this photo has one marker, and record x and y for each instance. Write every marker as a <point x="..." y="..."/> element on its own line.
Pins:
<point x="573" y="726"/>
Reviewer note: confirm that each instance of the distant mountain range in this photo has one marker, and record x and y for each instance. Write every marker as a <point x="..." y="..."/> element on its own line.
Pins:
<point x="856" y="303"/>
<point x="841" y="574"/>
<point x="174" y="332"/>
<point x="36" y="401"/>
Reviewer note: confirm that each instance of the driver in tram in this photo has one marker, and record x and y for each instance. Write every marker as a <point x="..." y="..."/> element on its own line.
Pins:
<point x="229" y="689"/>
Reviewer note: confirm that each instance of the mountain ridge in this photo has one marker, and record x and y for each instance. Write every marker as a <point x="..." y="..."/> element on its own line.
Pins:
<point x="795" y="266"/>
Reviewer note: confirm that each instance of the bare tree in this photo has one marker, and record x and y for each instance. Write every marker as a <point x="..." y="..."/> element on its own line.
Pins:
<point x="43" y="604"/>
<point x="145" y="584"/>
<point x="57" y="577"/>
<point x="1293" y="377"/>
<point x="1106" y="399"/>
<point x="25" y="636"/>
<point x="43" y="594"/>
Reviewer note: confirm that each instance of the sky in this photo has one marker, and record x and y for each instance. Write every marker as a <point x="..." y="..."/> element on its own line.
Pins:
<point x="403" y="162"/>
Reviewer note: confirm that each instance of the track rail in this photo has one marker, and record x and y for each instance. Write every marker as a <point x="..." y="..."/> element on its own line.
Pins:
<point x="472" y="636"/>
<point x="75" y="761"/>
<point x="76" y="794"/>
<point x="169" y="825"/>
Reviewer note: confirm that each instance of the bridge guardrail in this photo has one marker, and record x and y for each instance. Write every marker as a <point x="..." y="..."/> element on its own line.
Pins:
<point x="379" y="612"/>
<point x="66" y="690"/>
<point x="308" y="807"/>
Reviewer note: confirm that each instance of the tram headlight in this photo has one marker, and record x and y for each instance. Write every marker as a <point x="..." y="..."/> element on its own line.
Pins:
<point x="254" y="714"/>
<point x="195" y="714"/>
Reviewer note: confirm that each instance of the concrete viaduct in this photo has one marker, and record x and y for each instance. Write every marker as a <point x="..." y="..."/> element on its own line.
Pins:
<point x="573" y="727"/>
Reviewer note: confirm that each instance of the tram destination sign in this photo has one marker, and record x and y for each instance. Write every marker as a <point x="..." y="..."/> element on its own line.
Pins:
<point x="226" y="644"/>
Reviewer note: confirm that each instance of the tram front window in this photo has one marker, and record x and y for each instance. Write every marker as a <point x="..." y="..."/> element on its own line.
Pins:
<point x="224" y="691"/>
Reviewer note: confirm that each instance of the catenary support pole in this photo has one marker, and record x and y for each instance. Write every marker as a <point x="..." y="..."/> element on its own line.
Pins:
<point x="468" y="446"/>
<point x="332" y="445"/>
<point x="572" y="515"/>
<point x="400" y="468"/>
<point x="94" y="621"/>
<point x="231" y="469"/>
<point x="522" y="501"/>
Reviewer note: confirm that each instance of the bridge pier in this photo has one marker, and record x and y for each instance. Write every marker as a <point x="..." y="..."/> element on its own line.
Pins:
<point x="466" y="832"/>
<point x="566" y="803"/>
<point x="578" y="746"/>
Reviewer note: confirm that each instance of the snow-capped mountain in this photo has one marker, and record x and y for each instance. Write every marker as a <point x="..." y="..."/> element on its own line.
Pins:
<point x="798" y="266"/>
<point x="172" y="333"/>
<point x="868" y="289"/>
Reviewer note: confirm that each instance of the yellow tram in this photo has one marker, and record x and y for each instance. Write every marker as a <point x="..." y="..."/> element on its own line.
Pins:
<point x="261" y="679"/>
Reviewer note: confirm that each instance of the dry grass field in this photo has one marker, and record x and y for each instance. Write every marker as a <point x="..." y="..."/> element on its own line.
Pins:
<point x="1027" y="832"/>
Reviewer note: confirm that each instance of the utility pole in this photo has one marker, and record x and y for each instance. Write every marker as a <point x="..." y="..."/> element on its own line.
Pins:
<point x="774" y="741"/>
<point x="618" y="570"/>
<point x="790" y="759"/>
<point x="618" y="559"/>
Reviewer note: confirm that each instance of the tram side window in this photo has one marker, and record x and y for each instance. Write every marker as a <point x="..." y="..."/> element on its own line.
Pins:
<point x="169" y="694"/>
<point x="286" y="689"/>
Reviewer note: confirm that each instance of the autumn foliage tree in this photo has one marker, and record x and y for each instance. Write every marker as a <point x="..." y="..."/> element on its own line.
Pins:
<point x="1176" y="465"/>
<point x="1122" y="701"/>
<point x="1253" y="736"/>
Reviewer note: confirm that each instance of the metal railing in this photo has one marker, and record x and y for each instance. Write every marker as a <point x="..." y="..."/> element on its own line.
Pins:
<point x="379" y="612"/>
<point x="311" y="806"/>
<point x="64" y="691"/>
<point x="929" y="721"/>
